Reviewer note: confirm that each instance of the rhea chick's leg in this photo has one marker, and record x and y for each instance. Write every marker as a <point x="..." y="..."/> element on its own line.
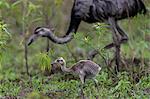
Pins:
<point x="82" y="78"/>
<point x="96" y="84"/>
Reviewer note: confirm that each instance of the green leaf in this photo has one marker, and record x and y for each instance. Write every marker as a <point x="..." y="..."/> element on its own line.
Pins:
<point x="16" y="3"/>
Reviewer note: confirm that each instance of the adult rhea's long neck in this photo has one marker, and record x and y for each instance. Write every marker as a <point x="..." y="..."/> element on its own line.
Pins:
<point x="45" y="32"/>
<point x="60" y="40"/>
<point x="69" y="35"/>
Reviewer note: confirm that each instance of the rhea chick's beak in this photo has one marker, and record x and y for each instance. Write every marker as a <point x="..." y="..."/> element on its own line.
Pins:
<point x="53" y="63"/>
<point x="38" y="32"/>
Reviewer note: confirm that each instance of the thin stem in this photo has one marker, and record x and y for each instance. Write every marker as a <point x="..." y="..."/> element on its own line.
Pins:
<point x="26" y="59"/>
<point x="24" y="34"/>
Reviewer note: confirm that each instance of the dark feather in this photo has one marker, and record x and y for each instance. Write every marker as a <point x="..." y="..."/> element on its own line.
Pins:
<point x="100" y="10"/>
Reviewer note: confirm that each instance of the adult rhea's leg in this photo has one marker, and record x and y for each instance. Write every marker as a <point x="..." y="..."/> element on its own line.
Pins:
<point x="116" y="39"/>
<point x="124" y="37"/>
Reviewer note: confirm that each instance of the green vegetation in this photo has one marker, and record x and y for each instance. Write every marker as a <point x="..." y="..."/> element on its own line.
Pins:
<point x="19" y="18"/>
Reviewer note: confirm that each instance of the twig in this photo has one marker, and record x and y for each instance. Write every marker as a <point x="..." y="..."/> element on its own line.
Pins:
<point x="26" y="59"/>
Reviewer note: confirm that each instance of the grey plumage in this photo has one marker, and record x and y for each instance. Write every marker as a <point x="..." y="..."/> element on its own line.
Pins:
<point x="85" y="69"/>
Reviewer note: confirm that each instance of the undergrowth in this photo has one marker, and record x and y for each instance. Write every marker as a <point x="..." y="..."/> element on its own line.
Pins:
<point x="132" y="82"/>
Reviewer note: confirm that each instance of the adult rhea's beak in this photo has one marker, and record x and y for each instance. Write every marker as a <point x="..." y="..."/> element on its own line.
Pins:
<point x="32" y="39"/>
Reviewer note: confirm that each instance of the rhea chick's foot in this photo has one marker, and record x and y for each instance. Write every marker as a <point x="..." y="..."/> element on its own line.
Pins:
<point x="85" y="69"/>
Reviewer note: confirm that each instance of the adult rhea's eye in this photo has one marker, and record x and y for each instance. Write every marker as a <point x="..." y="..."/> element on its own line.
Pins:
<point x="35" y="32"/>
<point x="42" y="29"/>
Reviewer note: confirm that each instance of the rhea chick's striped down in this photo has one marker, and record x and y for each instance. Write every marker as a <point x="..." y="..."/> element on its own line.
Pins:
<point x="85" y="69"/>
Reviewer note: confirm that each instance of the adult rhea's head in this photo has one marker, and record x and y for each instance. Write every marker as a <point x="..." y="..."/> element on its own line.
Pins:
<point x="39" y="31"/>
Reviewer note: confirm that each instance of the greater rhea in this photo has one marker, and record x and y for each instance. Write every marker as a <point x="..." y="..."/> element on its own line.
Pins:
<point x="92" y="11"/>
<point x="85" y="69"/>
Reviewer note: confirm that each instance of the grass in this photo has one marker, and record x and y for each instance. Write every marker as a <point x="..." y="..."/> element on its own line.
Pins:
<point x="66" y="86"/>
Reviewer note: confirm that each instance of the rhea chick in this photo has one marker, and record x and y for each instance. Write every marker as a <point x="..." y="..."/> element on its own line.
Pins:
<point x="85" y="69"/>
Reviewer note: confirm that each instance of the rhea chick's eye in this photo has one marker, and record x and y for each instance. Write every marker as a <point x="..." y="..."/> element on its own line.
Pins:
<point x="58" y="61"/>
